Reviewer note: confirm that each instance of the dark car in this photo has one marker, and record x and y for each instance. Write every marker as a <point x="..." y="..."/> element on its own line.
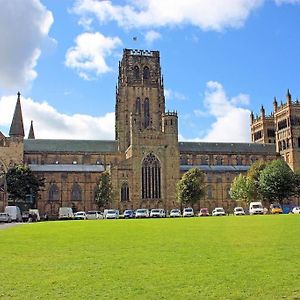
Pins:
<point x="129" y="214"/>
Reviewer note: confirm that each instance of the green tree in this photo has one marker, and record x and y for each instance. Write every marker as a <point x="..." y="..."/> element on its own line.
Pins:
<point x="103" y="196"/>
<point x="243" y="188"/>
<point x="22" y="185"/>
<point x="276" y="181"/>
<point x="191" y="187"/>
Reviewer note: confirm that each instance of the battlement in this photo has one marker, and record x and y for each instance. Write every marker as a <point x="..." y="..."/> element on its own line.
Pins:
<point x="137" y="52"/>
<point x="170" y="114"/>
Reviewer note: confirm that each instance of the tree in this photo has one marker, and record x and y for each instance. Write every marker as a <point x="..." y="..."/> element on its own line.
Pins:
<point x="191" y="187"/>
<point x="276" y="181"/>
<point x="253" y="176"/>
<point x="242" y="188"/>
<point x="103" y="195"/>
<point x="22" y="185"/>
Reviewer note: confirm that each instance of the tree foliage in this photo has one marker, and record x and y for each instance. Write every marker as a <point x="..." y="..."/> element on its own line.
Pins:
<point x="242" y="188"/>
<point x="277" y="181"/>
<point x="103" y="196"/>
<point x="191" y="187"/>
<point x="21" y="183"/>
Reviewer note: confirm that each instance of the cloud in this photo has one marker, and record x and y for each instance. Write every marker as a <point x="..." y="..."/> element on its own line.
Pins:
<point x="49" y="123"/>
<point x="24" y="28"/>
<point x="152" y="36"/>
<point x="174" y="95"/>
<point x="88" y="56"/>
<point x="231" y="120"/>
<point x="205" y="14"/>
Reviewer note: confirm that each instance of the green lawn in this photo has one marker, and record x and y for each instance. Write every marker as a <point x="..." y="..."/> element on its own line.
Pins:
<point x="251" y="257"/>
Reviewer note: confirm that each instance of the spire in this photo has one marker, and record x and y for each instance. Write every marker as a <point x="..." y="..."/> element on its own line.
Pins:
<point x="252" y="117"/>
<point x="16" y="127"/>
<point x="288" y="97"/>
<point x="262" y="111"/>
<point x="275" y="104"/>
<point x="31" y="131"/>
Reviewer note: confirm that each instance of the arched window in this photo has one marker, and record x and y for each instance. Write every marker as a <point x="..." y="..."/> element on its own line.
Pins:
<point x="138" y="106"/>
<point x="76" y="192"/>
<point x="279" y="146"/>
<point x="124" y="192"/>
<point x="146" y="73"/>
<point x="53" y="193"/>
<point x="136" y="72"/>
<point x="151" y="177"/>
<point x="283" y="145"/>
<point x="146" y="113"/>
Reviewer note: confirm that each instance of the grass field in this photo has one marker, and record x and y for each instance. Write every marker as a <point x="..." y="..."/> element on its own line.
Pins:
<point x="251" y="257"/>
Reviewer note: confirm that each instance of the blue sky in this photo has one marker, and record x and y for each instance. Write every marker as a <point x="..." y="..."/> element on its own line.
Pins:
<point x="220" y="60"/>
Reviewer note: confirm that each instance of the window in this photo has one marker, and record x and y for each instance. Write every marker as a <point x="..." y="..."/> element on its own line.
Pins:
<point x="76" y="192"/>
<point x="209" y="192"/>
<point x="53" y="193"/>
<point x="146" y="113"/>
<point x="124" y="192"/>
<point x="151" y="177"/>
<point x="138" y="106"/>
<point x="146" y="73"/>
<point x="136" y="72"/>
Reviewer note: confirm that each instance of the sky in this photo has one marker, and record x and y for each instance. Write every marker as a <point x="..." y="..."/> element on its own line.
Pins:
<point x="220" y="60"/>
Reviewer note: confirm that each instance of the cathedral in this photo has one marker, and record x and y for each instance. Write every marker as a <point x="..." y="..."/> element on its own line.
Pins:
<point x="146" y="159"/>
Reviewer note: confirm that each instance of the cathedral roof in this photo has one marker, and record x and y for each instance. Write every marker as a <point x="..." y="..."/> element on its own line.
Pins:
<point x="237" y="148"/>
<point x="92" y="146"/>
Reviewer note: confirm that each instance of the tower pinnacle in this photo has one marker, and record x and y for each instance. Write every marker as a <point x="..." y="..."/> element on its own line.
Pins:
<point x="17" y="128"/>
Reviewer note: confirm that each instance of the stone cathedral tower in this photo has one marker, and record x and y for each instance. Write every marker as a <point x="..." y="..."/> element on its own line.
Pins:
<point x="146" y="133"/>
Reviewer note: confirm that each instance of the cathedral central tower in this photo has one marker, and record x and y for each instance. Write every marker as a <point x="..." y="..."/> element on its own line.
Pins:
<point x="139" y="92"/>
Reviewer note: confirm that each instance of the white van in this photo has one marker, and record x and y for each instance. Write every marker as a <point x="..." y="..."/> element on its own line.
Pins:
<point x="14" y="212"/>
<point x="256" y="208"/>
<point x="65" y="213"/>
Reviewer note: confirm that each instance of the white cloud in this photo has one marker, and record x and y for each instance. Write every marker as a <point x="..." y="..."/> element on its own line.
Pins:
<point x="174" y="95"/>
<point x="88" y="56"/>
<point x="49" y="123"/>
<point x="205" y="14"/>
<point x="24" y="28"/>
<point x="231" y="121"/>
<point x="152" y="36"/>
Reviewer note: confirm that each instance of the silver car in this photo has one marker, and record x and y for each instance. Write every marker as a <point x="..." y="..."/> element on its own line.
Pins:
<point x="5" y="217"/>
<point x="142" y="213"/>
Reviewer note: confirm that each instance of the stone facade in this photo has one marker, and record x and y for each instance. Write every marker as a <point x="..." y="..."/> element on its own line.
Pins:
<point x="281" y="127"/>
<point x="145" y="159"/>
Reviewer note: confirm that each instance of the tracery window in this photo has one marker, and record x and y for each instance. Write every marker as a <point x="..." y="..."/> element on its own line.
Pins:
<point x="124" y="192"/>
<point x="53" y="192"/>
<point x="146" y="73"/>
<point x="151" y="177"/>
<point x="138" y="106"/>
<point x="136" y="72"/>
<point x="76" y="192"/>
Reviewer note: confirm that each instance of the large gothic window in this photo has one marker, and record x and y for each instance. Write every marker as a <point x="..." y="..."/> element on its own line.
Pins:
<point x="151" y="177"/>
<point x="53" y="193"/>
<point x="76" y="192"/>
<point x="146" y="113"/>
<point x="124" y="192"/>
<point x="146" y="73"/>
<point x="138" y="106"/>
<point x="136" y="72"/>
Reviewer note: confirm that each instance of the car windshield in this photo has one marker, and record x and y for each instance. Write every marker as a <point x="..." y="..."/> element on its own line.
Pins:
<point x="155" y="210"/>
<point x="238" y="209"/>
<point x="141" y="211"/>
<point x="219" y="209"/>
<point x="188" y="209"/>
<point x="80" y="213"/>
<point x="174" y="210"/>
<point x="203" y="209"/>
<point x="91" y="212"/>
<point x="127" y="211"/>
<point x="256" y="206"/>
<point x="111" y="211"/>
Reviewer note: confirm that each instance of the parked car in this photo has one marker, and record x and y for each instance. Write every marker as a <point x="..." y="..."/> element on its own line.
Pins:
<point x="256" y="208"/>
<point x="142" y="213"/>
<point x="93" y="215"/>
<point x="157" y="213"/>
<point x="296" y="210"/>
<point x="219" y="211"/>
<point x="203" y="212"/>
<point x="14" y="213"/>
<point x="129" y="214"/>
<point x="188" y="212"/>
<point x="80" y="215"/>
<point x="65" y="213"/>
<point x="5" y="217"/>
<point x="35" y="213"/>
<point x="276" y="209"/>
<point x="175" y="213"/>
<point x="25" y="216"/>
<point x="111" y="214"/>
<point x="238" y="211"/>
